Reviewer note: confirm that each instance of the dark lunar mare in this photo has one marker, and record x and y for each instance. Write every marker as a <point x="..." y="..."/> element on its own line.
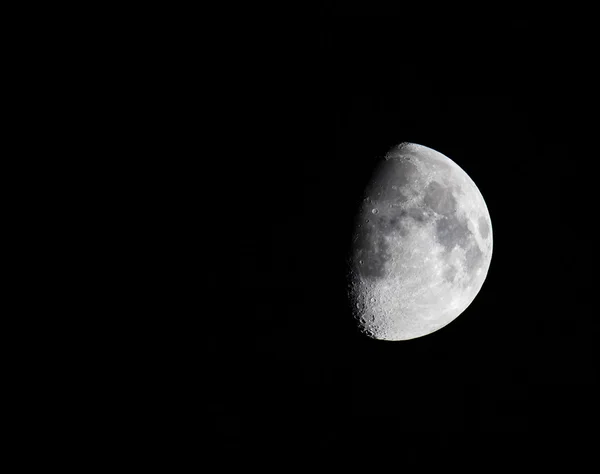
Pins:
<point x="452" y="231"/>
<point x="370" y="245"/>
<point x="384" y="188"/>
<point x="474" y="258"/>
<point x="371" y="248"/>
<point x="450" y="273"/>
<point x="440" y="198"/>
<point x="390" y="174"/>
<point x="484" y="227"/>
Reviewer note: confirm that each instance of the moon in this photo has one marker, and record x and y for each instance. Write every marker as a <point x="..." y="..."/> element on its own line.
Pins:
<point x="421" y="246"/>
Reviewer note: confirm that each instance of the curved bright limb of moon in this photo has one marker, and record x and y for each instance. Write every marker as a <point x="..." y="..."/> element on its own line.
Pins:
<point x="422" y="245"/>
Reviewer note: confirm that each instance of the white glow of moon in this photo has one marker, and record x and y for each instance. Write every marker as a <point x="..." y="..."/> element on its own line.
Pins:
<point x="422" y="245"/>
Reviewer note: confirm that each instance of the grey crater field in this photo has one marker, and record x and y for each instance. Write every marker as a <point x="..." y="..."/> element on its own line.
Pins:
<point x="422" y="245"/>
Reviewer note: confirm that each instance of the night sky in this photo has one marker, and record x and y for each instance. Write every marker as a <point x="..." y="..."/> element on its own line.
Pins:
<point x="318" y="105"/>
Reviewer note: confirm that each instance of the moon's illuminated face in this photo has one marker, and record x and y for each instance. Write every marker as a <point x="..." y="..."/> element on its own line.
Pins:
<point x="422" y="245"/>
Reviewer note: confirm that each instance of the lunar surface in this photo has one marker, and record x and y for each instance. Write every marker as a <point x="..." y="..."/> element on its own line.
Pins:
<point x="422" y="245"/>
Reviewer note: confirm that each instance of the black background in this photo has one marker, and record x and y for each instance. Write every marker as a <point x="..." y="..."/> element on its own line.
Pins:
<point x="311" y="108"/>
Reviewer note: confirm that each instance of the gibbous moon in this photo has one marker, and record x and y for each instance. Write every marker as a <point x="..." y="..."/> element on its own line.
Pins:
<point x="422" y="245"/>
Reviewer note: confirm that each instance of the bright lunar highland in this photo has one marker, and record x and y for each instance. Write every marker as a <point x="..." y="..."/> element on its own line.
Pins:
<point x="422" y="245"/>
